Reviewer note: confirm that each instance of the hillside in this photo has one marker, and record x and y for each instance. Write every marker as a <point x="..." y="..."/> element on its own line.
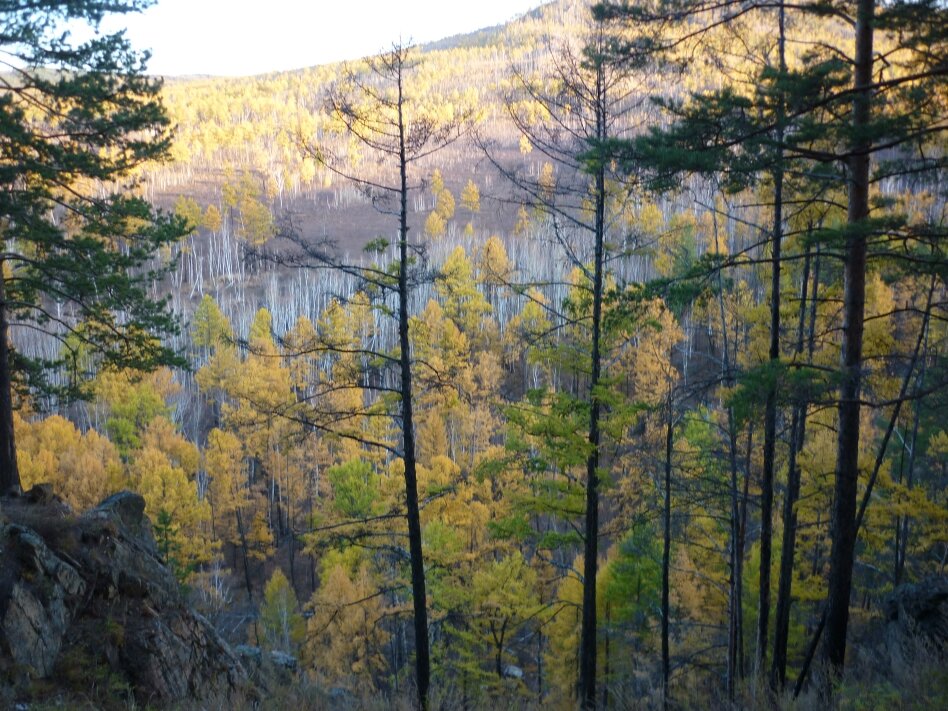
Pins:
<point x="560" y="363"/>
<point x="243" y="164"/>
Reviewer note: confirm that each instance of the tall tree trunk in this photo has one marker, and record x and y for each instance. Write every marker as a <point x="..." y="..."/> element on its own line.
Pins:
<point x="587" y="668"/>
<point x="854" y="303"/>
<point x="770" y="407"/>
<point x="539" y="660"/>
<point x="741" y="545"/>
<point x="243" y="547"/>
<point x="419" y="598"/>
<point x="9" y="472"/>
<point x="735" y="588"/>
<point x="666" y="554"/>
<point x="736" y="552"/>
<point x="605" y="671"/>
<point x="499" y="651"/>
<point x="778" y="671"/>
<point x="903" y="523"/>
<point x="871" y="481"/>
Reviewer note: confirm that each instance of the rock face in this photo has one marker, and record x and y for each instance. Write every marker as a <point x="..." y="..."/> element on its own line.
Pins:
<point x="36" y="594"/>
<point x="86" y="600"/>
<point x="920" y="610"/>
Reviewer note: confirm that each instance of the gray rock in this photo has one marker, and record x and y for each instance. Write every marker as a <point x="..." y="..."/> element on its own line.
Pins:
<point x="284" y="660"/>
<point x="99" y="593"/>
<point x="920" y="610"/>
<point x="249" y="655"/>
<point x="37" y="591"/>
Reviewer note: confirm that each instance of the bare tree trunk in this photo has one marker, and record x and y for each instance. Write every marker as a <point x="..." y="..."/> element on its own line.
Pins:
<point x="243" y="546"/>
<point x="735" y="587"/>
<point x="605" y="671"/>
<point x="419" y="598"/>
<point x="903" y="523"/>
<point x="778" y="672"/>
<point x="587" y="669"/>
<point x="741" y="545"/>
<point x="9" y="472"/>
<point x="539" y="668"/>
<point x="770" y="408"/>
<point x="666" y="554"/>
<point x="854" y="302"/>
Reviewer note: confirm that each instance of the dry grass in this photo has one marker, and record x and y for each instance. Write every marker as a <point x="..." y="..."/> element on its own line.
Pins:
<point x="53" y="522"/>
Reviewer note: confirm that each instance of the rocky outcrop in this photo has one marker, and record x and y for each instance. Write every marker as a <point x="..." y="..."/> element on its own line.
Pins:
<point x="37" y="590"/>
<point x="919" y="611"/>
<point x="85" y="599"/>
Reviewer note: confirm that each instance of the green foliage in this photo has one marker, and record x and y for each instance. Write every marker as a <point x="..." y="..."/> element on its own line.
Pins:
<point x="633" y="579"/>
<point x="209" y="327"/>
<point x="377" y="246"/>
<point x="463" y="302"/>
<point x="168" y="546"/>
<point x="283" y="626"/>
<point x="355" y="488"/>
<point x="87" y="121"/>
<point x="501" y="366"/>
<point x="132" y="408"/>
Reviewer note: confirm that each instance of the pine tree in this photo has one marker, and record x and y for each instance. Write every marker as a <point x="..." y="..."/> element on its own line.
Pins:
<point x="76" y="117"/>
<point x="584" y="96"/>
<point x="832" y="117"/>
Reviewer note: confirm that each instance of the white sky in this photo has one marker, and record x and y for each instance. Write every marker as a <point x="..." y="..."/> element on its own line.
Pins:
<point x="241" y="37"/>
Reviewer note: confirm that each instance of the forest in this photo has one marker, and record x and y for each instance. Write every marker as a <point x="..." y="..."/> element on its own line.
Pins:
<point x="594" y="360"/>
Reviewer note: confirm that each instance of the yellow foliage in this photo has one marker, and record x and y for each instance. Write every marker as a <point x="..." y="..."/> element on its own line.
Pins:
<point x="82" y="468"/>
<point x="471" y="197"/>
<point x="167" y="488"/>
<point x="434" y="225"/>
<point x="345" y="637"/>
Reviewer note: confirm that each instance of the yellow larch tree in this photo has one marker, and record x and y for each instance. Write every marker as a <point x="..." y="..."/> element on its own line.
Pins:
<point x="83" y="468"/>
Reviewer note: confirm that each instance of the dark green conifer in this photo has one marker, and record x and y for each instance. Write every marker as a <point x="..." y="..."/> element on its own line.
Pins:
<point x="76" y="119"/>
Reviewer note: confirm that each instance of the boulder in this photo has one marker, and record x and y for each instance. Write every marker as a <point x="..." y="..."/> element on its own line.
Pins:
<point x="271" y="670"/>
<point x="919" y="611"/>
<point x="284" y="660"/>
<point x="250" y="656"/>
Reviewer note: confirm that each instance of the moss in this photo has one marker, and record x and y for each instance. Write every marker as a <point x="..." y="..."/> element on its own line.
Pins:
<point x="83" y="674"/>
<point x="115" y="632"/>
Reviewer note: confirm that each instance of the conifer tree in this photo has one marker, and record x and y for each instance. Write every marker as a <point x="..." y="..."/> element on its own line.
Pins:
<point x="380" y="110"/>
<point x="76" y="117"/>
<point x="587" y="98"/>
<point x="834" y="119"/>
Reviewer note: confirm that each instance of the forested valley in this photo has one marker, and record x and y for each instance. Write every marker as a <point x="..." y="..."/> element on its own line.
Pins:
<point x="595" y="360"/>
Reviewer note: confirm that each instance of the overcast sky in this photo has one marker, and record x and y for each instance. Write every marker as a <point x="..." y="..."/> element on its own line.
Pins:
<point x="240" y="37"/>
